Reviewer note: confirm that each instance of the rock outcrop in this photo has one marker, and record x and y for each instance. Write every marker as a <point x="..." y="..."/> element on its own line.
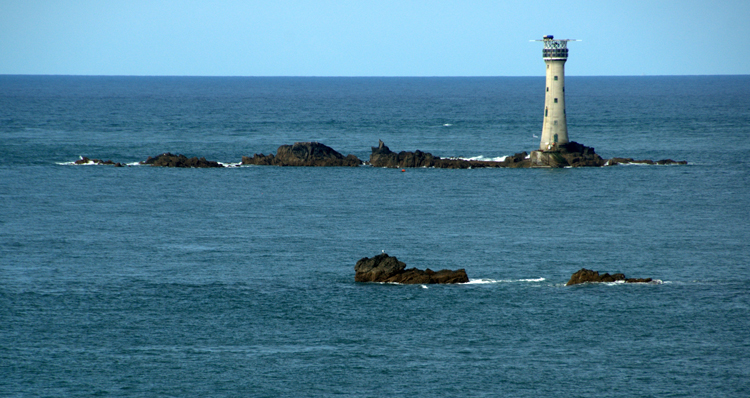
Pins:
<point x="586" y="275"/>
<point x="303" y="154"/>
<point x="315" y="154"/>
<point x="85" y="160"/>
<point x="571" y="154"/>
<point x="384" y="268"/>
<point x="170" y="160"/>
<point x="382" y="156"/>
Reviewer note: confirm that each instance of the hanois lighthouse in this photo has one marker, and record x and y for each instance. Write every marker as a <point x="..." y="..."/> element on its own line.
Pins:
<point x="555" y="128"/>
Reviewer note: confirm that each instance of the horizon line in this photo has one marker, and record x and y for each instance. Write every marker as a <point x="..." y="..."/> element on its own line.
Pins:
<point x="353" y="76"/>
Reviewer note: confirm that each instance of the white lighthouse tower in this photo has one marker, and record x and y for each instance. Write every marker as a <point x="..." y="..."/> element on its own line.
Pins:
<point x="555" y="128"/>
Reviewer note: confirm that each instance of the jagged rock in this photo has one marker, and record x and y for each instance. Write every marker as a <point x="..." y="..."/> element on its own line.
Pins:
<point x="303" y="154"/>
<point x="384" y="268"/>
<point x="382" y="156"/>
<point x="170" y="160"/>
<point x="586" y="275"/>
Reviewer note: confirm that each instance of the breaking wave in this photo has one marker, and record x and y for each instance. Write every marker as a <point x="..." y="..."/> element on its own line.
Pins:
<point x="485" y="159"/>
<point x="485" y="281"/>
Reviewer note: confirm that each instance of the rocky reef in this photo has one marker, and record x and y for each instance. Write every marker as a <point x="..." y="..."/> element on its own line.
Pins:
<point x="382" y="156"/>
<point x="384" y="268"/>
<point x="308" y="154"/>
<point x="315" y="154"/>
<point x="170" y="160"/>
<point x="586" y="275"/>
<point x="571" y="154"/>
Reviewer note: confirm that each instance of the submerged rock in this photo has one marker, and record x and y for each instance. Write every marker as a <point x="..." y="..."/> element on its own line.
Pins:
<point x="310" y="154"/>
<point x="384" y="268"/>
<point x="85" y="160"/>
<point x="616" y="161"/>
<point x="170" y="160"/>
<point x="586" y="275"/>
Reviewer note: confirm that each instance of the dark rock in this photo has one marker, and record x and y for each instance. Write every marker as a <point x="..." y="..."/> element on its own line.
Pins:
<point x="384" y="268"/>
<point x="616" y="161"/>
<point x="259" y="160"/>
<point x="519" y="160"/>
<point x="670" y="161"/>
<point x="588" y="276"/>
<point x="382" y="156"/>
<point x="170" y="160"/>
<point x="570" y="154"/>
<point x="308" y="154"/>
<point x="85" y="160"/>
<point x="378" y="268"/>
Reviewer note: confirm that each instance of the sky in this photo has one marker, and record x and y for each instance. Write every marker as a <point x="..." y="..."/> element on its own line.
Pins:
<point x="371" y="38"/>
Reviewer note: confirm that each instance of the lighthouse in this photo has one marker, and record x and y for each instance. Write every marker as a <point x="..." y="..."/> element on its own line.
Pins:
<point x="555" y="127"/>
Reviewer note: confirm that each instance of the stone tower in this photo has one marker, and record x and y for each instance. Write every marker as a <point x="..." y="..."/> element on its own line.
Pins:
<point x="555" y="128"/>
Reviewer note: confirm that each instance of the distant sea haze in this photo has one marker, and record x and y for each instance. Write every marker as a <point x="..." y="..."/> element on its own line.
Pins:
<point x="146" y="281"/>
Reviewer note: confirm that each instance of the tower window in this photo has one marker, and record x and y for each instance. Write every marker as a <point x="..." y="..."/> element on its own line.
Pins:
<point x="555" y="77"/>
<point x="545" y="112"/>
<point x="547" y="89"/>
<point x="555" y="100"/>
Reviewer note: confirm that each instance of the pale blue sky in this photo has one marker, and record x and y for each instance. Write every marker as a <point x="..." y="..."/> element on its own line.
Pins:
<point x="371" y="38"/>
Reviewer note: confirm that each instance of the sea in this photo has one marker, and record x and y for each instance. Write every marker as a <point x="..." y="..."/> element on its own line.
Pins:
<point x="143" y="281"/>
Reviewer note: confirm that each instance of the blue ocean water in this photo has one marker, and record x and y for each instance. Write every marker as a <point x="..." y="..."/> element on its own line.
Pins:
<point x="142" y="281"/>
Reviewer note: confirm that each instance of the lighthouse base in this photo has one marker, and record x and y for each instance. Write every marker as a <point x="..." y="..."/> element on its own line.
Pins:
<point x="570" y="154"/>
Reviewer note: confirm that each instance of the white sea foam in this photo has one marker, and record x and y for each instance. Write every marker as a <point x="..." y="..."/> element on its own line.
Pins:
<point x="622" y="282"/>
<point x="73" y="162"/>
<point x="92" y="163"/>
<point x="480" y="281"/>
<point x="485" y="159"/>
<point x="484" y="281"/>
<point x="533" y="280"/>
